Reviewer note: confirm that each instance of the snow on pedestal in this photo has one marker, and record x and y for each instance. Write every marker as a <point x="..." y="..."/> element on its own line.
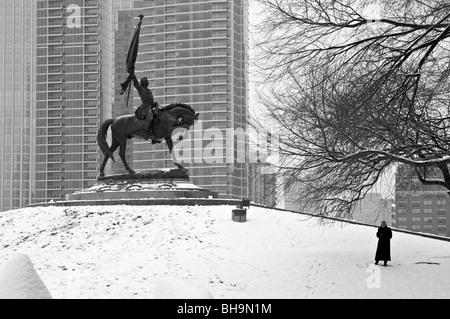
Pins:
<point x="173" y="288"/>
<point x="19" y="280"/>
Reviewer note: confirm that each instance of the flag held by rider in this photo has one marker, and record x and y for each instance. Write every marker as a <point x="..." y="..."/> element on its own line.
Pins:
<point x="131" y="58"/>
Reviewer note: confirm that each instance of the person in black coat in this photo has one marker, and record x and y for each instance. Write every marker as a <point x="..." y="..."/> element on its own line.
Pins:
<point x="384" y="235"/>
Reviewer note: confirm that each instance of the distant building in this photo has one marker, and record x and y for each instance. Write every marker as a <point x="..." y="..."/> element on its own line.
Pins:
<point x="373" y="209"/>
<point x="262" y="184"/>
<point x="291" y="198"/>
<point x="421" y="208"/>
<point x="17" y="102"/>
<point x="263" y="181"/>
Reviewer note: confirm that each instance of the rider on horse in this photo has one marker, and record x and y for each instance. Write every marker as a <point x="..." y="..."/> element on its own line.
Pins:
<point x="149" y="107"/>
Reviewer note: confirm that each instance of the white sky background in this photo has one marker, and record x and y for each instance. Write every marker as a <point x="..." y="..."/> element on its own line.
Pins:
<point x="256" y="17"/>
<point x="255" y="107"/>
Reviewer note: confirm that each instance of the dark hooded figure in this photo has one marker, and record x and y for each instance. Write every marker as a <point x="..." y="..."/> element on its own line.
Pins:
<point x="384" y="235"/>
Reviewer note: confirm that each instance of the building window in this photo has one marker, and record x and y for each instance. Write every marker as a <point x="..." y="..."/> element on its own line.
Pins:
<point x="171" y="19"/>
<point x="416" y="228"/>
<point x="428" y="211"/>
<point x="416" y="211"/>
<point x="170" y="10"/>
<point x="402" y="204"/>
<point x="428" y="202"/>
<point x="402" y="219"/>
<point x="416" y="219"/>
<point x="415" y="204"/>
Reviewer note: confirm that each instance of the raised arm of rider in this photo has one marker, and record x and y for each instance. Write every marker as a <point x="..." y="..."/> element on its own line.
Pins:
<point x="137" y="85"/>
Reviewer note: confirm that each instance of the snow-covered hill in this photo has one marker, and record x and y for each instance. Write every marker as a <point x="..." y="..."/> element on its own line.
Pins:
<point x="126" y="251"/>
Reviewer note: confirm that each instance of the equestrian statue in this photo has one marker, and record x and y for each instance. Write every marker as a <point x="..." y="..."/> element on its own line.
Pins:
<point x="150" y="121"/>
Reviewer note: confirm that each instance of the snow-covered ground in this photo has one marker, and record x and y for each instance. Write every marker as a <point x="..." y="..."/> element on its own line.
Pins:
<point x="128" y="251"/>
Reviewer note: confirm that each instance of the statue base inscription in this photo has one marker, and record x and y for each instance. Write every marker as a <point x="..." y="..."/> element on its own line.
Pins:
<point x="164" y="184"/>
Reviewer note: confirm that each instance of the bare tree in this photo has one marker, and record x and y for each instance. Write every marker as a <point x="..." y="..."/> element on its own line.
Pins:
<point x="354" y="95"/>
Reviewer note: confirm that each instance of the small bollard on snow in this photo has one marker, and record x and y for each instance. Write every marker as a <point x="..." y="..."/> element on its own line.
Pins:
<point x="240" y="213"/>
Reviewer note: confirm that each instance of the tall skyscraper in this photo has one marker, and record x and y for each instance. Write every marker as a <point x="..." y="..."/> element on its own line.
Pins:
<point x="77" y="45"/>
<point x="196" y="52"/>
<point x="68" y="96"/>
<point x="17" y="37"/>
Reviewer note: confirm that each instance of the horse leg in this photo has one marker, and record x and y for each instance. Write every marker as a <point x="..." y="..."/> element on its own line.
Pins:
<point x="113" y="148"/>
<point x="102" y="168"/>
<point x="172" y="154"/>
<point x="149" y="121"/>
<point x="123" y="146"/>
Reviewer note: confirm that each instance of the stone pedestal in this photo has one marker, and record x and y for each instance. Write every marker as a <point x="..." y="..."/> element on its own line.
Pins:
<point x="164" y="184"/>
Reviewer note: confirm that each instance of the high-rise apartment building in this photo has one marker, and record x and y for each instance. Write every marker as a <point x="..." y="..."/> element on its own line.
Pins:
<point x="420" y="208"/>
<point x="17" y="102"/>
<point x="78" y="42"/>
<point x="68" y="96"/>
<point x="196" y="52"/>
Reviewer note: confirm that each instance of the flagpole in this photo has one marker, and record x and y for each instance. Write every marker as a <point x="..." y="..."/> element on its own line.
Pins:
<point x="129" y="92"/>
<point x="135" y="43"/>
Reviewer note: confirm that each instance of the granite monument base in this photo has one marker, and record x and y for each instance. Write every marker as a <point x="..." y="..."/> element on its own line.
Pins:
<point x="163" y="184"/>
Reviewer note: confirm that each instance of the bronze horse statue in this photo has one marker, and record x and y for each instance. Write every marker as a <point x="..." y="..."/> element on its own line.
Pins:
<point x="171" y="117"/>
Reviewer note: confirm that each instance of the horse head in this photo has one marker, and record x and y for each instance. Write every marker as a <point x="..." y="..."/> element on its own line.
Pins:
<point x="184" y="115"/>
<point x="188" y="120"/>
